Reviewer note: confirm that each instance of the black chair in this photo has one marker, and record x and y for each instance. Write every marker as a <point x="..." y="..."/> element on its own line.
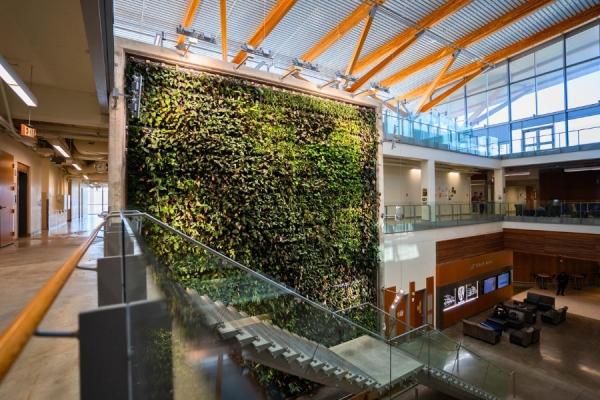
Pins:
<point x="519" y="210"/>
<point x="541" y="212"/>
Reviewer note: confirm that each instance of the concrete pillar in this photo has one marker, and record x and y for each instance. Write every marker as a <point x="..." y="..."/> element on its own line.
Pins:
<point x="428" y="189"/>
<point x="117" y="195"/>
<point x="499" y="192"/>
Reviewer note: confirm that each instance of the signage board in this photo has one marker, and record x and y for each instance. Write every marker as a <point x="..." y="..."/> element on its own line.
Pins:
<point x="29" y="131"/>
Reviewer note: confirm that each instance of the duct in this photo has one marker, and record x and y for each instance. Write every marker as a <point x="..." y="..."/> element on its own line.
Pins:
<point x="100" y="157"/>
<point x="91" y="147"/>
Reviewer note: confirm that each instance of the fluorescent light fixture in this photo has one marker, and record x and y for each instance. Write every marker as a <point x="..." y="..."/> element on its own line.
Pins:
<point x="86" y="177"/>
<point x="61" y="150"/>
<point x="517" y="173"/>
<point x="77" y="167"/>
<point x="416" y="169"/>
<point x="12" y="79"/>
<point x="582" y="169"/>
<point x="453" y="173"/>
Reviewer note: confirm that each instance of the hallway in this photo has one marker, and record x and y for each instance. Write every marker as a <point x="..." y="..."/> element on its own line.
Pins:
<point x="48" y="368"/>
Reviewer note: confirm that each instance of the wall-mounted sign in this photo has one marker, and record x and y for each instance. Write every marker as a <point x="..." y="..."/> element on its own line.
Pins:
<point x="424" y="192"/>
<point x="28" y="130"/>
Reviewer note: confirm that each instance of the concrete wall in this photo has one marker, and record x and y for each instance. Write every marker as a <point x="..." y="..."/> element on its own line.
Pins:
<point x="43" y="175"/>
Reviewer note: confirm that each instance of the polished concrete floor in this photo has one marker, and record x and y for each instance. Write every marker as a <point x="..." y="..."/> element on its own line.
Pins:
<point x="564" y="365"/>
<point x="48" y="368"/>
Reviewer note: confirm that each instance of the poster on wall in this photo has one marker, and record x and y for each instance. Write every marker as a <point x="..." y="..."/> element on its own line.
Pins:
<point x="461" y="295"/>
<point x="471" y="289"/>
<point x="449" y="298"/>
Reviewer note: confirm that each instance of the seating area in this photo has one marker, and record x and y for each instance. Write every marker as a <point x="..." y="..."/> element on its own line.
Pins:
<point x="526" y="336"/>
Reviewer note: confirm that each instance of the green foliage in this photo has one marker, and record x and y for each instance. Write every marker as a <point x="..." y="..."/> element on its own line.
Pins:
<point x="281" y="182"/>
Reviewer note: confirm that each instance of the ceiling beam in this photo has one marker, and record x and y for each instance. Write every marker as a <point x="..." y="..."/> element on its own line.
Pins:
<point x="188" y="17"/>
<point x="429" y="21"/>
<point x="376" y="69"/>
<point x="223" y="5"/>
<point x="433" y="84"/>
<point x="514" y="49"/>
<point x="477" y="35"/>
<point x="347" y="24"/>
<point x="447" y="93"/>
<point x="361" y="40"/>
<point x="271" y="20"/>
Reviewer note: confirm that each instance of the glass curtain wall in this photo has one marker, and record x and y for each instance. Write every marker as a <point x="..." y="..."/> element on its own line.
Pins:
<point x="542" y="100"/>
<point x="98" y="199"/>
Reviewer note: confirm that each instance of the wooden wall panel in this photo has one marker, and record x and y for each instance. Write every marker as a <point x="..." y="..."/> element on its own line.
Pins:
<point x="572" y="245"/>
<point x="430" y="293"/>
<point x="463" y="269"/>
<point x="526" y="264"/>
<point x="412" y="306"/>
<point x="472" y="246"/>
<point x="471" y="308"/>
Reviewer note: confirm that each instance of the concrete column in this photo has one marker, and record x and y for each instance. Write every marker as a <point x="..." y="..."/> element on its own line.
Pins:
<point x="428" y="189"/>
<point x="117" y="195"/>
<point x="499" y="192"/>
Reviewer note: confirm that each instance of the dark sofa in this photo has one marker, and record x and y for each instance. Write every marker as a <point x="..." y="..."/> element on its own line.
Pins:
<point x="555" y="317"/>
<point x="541" y="301"/>
<point x="526" y="315"/>
<point x="480" y="332"/>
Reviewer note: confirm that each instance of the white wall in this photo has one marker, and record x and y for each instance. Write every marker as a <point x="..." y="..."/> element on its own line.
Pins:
<point x="403" y="185"/>
<point x="43" y="176"/>
<point x="515" y="194"/>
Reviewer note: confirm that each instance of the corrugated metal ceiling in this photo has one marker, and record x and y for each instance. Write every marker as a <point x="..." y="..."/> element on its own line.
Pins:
<point x="310" y="20"/>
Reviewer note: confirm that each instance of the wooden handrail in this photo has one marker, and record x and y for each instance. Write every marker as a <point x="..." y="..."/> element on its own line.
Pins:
<point x="15" y="337"/>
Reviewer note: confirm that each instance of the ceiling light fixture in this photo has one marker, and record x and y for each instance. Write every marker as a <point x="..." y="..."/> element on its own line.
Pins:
<point x="12" y="79"/>
<point x="379" y="87"/>
<point x="61" y="151"/>
<point x="305" y="65"/>
<point x="416" y="169"/>
<point x="86" y="177"/>
<point x="257" y="51"/>
<point x="582" y="169"/>
<point x="77" y="167"/>
<point x="517" y="173"/>
<point x="191" y="33"/>
<point x="339" y="76"/>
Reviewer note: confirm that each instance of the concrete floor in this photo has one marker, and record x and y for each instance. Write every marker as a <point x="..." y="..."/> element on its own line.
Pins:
<point x="564" y="365"/>
<point x="47" y="368"/>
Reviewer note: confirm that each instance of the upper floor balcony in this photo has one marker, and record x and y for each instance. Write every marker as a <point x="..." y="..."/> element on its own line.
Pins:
<point x="417" y="217"/>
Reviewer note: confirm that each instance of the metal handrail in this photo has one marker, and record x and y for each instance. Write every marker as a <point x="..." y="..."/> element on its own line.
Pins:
<point x="15" y="337"/>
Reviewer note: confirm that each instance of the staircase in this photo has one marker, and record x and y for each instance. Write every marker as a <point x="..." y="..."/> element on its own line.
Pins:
<point x="356" y="360"/>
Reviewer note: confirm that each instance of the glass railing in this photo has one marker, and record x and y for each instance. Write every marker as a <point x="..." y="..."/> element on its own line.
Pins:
<point x="453" y="365"/>
<point x="559" y="212"/>
<point x="416" y="217"/>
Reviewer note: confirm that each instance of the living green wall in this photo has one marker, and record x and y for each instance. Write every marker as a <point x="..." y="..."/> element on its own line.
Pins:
<point x="282" y="182"/>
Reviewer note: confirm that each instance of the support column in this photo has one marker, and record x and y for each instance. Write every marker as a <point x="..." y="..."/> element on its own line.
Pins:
<point x="499" y="192"/>
<point x="117" y="195"/>
<point x="428" y="189"/>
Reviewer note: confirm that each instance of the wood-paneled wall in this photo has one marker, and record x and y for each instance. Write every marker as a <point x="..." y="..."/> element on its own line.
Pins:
<point x="485" y="301"/>
<point x="472" y="246"/>
<point x="573" y="245"/>
<point x="525" y="265"/>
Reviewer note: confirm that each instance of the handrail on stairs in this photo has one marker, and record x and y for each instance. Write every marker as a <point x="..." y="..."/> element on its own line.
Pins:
<point x="15" y="337"/>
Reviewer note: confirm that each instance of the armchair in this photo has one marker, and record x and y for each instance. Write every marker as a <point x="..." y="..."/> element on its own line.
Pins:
<point x="523" y="337"/>
<point x="555" y="317"/>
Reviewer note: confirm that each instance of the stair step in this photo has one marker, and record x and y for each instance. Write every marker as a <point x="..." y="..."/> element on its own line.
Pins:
<point x="277" y="350"/>
<point x="303" y="360"/>
<point x="245" y="338"/>
<point x="228" y="331"/>
<point x="340" y="373"/>
<point x="317" y="365"/>
<point x="261" y="344"/>
<point x="290" y="355"/>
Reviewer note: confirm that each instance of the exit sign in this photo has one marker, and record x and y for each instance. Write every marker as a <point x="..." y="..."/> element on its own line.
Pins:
<point x="29" y="131"/>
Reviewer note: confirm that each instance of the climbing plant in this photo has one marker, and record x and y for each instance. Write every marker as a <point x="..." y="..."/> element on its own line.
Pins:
<point x="281" y="182"/>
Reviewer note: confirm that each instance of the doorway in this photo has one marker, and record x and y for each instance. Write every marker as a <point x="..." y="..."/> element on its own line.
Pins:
<point x="7" y="222"/>
<point x="539" y="138"/>
<point x="22" y="202"/>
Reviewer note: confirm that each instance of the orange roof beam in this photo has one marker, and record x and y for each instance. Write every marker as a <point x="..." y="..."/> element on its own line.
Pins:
<point x="514" y="49"/>
<point x="361" y="40"/>
<point x="477" y="35"/>
<point x="434" y="84"/>
<point x="429" y="21"/>
<point x="271" y="20"/>
<point x="188" y="17"/>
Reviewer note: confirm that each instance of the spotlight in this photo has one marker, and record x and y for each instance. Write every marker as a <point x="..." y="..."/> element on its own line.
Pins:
<point x="257" y="51"/>
<point x="159" y="38"/>
<point x="379" y="87"/>
<point x="191" y="33"/>
<point x="305" y="65"/>
<point x="339" y="76"/>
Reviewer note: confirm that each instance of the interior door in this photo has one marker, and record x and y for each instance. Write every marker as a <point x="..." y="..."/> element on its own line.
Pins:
<point x="7" y="223"/>
<point x="22" y="202"/>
